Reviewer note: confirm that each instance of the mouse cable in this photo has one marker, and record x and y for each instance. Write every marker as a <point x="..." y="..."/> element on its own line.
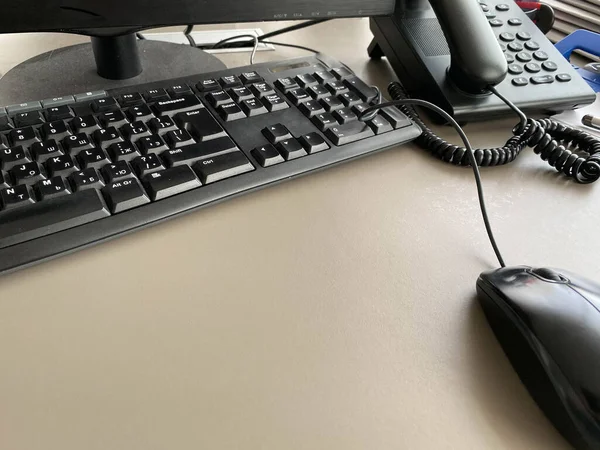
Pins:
<point x="407" y="103"/>
<point x="240" y="36"/>
<point x="548" y="138"/>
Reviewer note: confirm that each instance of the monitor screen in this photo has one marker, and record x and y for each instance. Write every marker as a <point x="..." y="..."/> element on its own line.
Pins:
<point x="105" y="17"/>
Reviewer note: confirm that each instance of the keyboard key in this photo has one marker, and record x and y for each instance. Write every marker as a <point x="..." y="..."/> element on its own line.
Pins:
<point x="349" y="132"/>
<point x="261" y="90"/>
<point x="104" y="105"/>
<point x="116" y="171"/>
<point x="151" y="144"/>
<point x="60" y="166"/>
<point x="58" y="101"/>
<point x="23" y="136"/>
<point x="324" y="121"/>
<point x="253" y="107"/>
<point x="318" y="92"/>
<point x="87" y="96"/>
<point x="277" y="133"/>
<point x="146" y="164"/>
<point x="76" y="143"/>
<point x="84" y="124"/>
<point x="208" y="85"/>
<point x="230" y="112"/>
<point x="51" y="216"/>
<point x="11" y="198"/>
<point x="218" y="98"/>
<point x="123" y="151"/>
<point x="286" y="84"/>
<point x="139" y="112"/>
<point x="179" y="90"/>
<point x="178" y="138"/>
<point x="350" y="99"/>
<point x="250" y="77"/>
<point x="274" y="103"/>
<point x="291" y="149"/>
<point x="223" y="166"/>
<point x="305" y="80"/>
<point x="86" y="179"/>
<point x="203" y="150"/>
<point x="200" y="124"/>
<point x="6" y="123"/>
<point x="23" y="107"/>
<point x="332" y="104"/>
<point x="345" y="115"/>
<point x="42" y="151"/>
<point x="132" y="99"/>
<point x="395" y="117"/>
<point x="313" y="143"/>
<point x="26" y="119"/>
<point x="93" y="158"/>
<point x="28" y="173"/>
<point x="55" y="130"/>
<point x="364" y="91"/>
<point x="241" y="93"/>
<point x="162" y="125"/>
<point x="169" y="182"/>
<point x="298" y="96"/>
<point x="176" y="105"/>
<point x="54" y="187"/>
<point x="230" y="81"/>
<point x="155" y="95"/>
<point x="112" y="119"/>
<point x="323" y="76"/>
<point x="124" y="195"/>
<point x="134" y="131"/>
<point x="267" y="155"/>
<point x="10" y="157"/>
<point x="380" y="125"/>
<point x="107" y="137"/>
<point x="311" y="108"/>
<point x="336" y="87"/>
<point x="341" y="73"/>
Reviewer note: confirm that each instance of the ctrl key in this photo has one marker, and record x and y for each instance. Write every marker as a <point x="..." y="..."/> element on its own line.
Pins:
<point x="223" y="166"/>
<point x="125" y="194"/>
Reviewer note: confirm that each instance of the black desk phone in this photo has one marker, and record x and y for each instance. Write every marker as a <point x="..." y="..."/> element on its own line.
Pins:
<point x="448" y="51"/>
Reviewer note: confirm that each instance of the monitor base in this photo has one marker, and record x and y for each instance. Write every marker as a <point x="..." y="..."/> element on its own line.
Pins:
<point x="72" y="70"/>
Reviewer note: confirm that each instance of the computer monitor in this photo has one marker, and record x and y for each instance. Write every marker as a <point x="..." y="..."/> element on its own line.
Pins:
<point x="116" y="58"/>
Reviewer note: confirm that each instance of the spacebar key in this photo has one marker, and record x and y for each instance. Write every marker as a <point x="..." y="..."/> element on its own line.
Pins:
<point x="50" y="216"/>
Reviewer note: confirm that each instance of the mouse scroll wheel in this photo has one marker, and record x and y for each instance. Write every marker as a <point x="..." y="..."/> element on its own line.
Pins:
<point x="548" y="274"/>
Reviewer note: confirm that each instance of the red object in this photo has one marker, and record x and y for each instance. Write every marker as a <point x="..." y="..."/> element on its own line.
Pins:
<point x="529" y="5"/>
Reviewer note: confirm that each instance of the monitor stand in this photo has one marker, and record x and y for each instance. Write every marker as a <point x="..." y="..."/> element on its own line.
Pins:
<point x="122" y="61"/>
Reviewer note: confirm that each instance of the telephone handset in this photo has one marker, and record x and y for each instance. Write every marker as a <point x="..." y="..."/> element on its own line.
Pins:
<point x="450" y="51"/>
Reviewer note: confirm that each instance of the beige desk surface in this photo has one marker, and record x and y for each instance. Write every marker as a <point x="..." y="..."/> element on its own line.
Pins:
<point x="336" y="311"/>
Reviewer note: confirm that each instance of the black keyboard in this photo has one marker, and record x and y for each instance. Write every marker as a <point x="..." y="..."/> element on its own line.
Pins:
<point x="80" y="169"/>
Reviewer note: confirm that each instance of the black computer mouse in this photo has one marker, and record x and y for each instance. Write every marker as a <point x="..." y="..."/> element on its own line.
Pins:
<point x="548" y="323"/>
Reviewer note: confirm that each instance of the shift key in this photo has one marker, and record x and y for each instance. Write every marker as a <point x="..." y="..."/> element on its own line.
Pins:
<point x="193" y="152"/>
<point x="350" y="132"/>
<point x="222" y="166"/>
<point x="200" y="124"/>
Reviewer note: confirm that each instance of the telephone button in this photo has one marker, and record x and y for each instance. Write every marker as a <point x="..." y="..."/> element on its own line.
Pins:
<point x="520" y="81"/>
<point x="523" y="56"/>
<point x="515" y="22"/>
<point x="507" y="37"/>
<point x="496" y="22"/>
<point x="564" y="77"/>
<point x="515" y="69"/>
<point x="515" y="47"/>
<point x="532" y="45"/>
<point x="532" y="67"/>
<point x="502" y="7"/>
<point x="549" y="66"/>
<point x="542" y="79"/>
